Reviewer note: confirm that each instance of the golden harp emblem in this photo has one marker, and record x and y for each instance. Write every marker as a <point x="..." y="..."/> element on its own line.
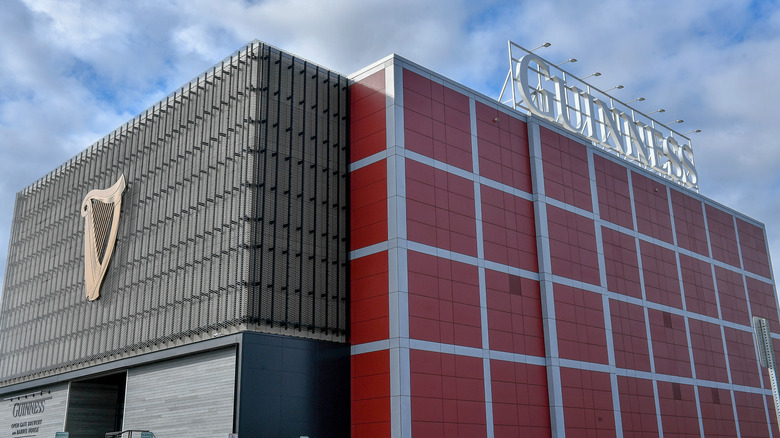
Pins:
<point x="100" y="210"/>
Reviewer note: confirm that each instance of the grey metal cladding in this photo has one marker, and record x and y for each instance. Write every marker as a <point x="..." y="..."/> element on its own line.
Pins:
<point x="234" y="218"/>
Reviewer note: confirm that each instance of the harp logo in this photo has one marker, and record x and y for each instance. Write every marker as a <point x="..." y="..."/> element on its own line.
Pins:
<point x="100" y="210"/>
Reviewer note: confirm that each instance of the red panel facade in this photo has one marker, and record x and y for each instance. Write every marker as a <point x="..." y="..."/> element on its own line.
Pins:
<point x="447" y="395"/>
<point x="508" y="279"/>
<point x="443" y="301"/>
<point x="520" y="402"/>
<point x="371" y="394"/>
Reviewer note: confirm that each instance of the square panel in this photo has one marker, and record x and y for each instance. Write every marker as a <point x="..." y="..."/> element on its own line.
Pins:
<point x="659" y="268"/>
<point x="708" y="355"/>
<point x="763" y="301"/>
<point x="752" y="415"/>
<point x="637" y="407"/>
<point x="723" y="237"/>
<point x="621" y="263"/>
<point x="679" y="416"/>
<point x="565" y="164"/>
<point x="369" y="309"/>
<point x="449" y="223"/>
<point x="508" y="229"/>
<point x="367" y="116"/>
<point x="699" y="286"/>
<point x="629" y="335"/>
<point x="754" y="248"/>
<point x="370" y="393"/>
<point x="742" y="357"/>
<point x="448" y="395"/>
<point x="731" y="293"/>
<point x="520" y="402"/>
<point x="514" y="314"/>
<point x="670" y="343"/>
<point x="502" y="141"/>
<point x="689" y="223"/>
<point x="368" y="205"/>
<point x="717" y="412"/>
<point x="436" y="121"/>
<point x="587" y="403"/>
<point x="652" y="208"/>
<point x="613" y="191"/>
<point x="443" y="301"/>
<point x="572" y="245"/>
<point x="579" y="318"/>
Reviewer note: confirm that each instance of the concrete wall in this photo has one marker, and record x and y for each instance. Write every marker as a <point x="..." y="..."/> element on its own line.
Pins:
<point x="190" y="396"/>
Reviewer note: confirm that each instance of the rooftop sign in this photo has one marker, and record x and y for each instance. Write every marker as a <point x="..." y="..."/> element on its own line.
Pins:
<point x="549" y="92"/>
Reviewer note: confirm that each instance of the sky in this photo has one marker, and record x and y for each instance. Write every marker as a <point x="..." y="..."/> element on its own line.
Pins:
<point x="72" y="71"/>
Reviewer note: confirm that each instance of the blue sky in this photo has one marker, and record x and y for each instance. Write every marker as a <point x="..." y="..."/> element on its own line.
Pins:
<point x="72" y="71"/>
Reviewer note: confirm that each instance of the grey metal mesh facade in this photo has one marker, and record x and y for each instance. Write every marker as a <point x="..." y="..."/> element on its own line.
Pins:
<point x="234" y="218"/>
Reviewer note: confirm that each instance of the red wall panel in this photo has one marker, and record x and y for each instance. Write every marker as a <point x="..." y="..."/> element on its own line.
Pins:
<point x="508" y="229"/>
<point x="520" y="402"/>
<point x="565" y="164"/>
<point x="762" y="301"/>
<point x="742" y="357"/>
<point x="637" y="407"/>
<point x="659" y="268"/>
<point x="503" y="148"/>
<point x="369" y="301"/>
<point x="670" y="344"/>
<point x="447" y="395"/>
<point x="754" y="251"/>
<point x="579" y="319"/>
<point x="621" y="263"/>
<point x="446" y="221"/>
<point x="629" y="336"/>
<point x="367" y="134"/>
<point x="587" y="403"/>
<point x="613" y="192"/>
<point x="731" y="293"/>
<point x="699" y="286"/>
<point x="436" y="121"/>
<point x="572" y="245"/>
<point x="751" y="414"/>
<point x="689" y="223"/>
<point x="679" y="416"/>
<point x="708" y="355"/>
<point x="443" y="301"/>
<point x="514" y="314"/>
<point x="652" y="208"/>
<point x="371" y="394"/>
<point x="723" y="237"/>
<point x="717" y="413"/>
<point x="368" y="205"/>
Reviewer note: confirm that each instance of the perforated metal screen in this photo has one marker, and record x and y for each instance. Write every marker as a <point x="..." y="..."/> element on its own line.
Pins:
<point x="234" y="218"/>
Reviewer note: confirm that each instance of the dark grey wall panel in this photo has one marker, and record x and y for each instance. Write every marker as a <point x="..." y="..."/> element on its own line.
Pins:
<point x="291" y="387"/>
<point x="234" y="218"/>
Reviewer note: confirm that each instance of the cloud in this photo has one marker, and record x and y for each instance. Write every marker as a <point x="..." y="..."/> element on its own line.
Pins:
<point x="73" y="71"/>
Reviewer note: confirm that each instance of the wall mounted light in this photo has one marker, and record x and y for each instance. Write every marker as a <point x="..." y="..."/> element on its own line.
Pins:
<point x="616" y="87"/>
<point x="638" y="99"/>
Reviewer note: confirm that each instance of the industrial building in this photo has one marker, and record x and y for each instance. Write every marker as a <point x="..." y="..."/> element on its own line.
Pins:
<point x="279" y="250"/>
